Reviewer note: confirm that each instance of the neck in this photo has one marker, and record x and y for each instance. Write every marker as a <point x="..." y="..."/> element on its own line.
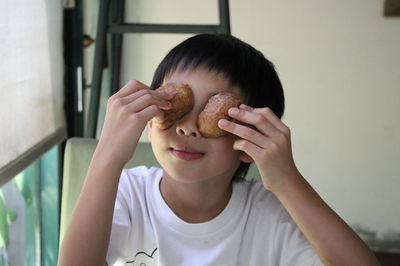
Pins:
<point x="195" y="202"/>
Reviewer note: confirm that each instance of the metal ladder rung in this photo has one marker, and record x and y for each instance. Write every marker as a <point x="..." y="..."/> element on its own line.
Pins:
<point x="163" y="28"/>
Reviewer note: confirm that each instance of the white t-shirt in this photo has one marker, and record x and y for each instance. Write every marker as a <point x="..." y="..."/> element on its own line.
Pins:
<point x="253" y="229"/>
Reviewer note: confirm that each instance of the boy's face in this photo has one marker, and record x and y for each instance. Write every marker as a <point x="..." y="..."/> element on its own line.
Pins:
<point x="184" y="154"/>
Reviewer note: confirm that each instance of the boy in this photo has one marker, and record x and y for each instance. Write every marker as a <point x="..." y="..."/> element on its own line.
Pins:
<point x="190" y="212"/>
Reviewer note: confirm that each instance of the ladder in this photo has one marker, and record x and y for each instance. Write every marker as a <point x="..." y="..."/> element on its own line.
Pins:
<point x="111" y="21"/>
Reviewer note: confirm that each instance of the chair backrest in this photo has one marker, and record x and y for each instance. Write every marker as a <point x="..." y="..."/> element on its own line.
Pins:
<point x="77" y="156"/>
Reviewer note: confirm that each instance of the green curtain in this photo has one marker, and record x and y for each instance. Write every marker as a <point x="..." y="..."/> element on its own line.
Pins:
<point x="29" y="215"/>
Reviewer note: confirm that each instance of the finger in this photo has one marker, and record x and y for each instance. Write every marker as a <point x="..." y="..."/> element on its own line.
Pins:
<point x="244" y="132"/>
<point x="276" y="121"/>
<point x="149" y="95"/>
<point x="246" y="107"/>
<point x="146" y="114"/>
<point x="258" y="120"/>
<point x="167" y="93"/>
<point x="146" y="100"/>
<point x="248" y="147"/>
<point x="131" y="87"/>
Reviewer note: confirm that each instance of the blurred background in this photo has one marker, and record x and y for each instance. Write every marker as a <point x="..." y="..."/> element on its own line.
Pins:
<point x="339" y="62"/>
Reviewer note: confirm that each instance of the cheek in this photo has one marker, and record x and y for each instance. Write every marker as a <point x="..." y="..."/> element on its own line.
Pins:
<point x="224" y="146"/>
<point x="155" y="134"/>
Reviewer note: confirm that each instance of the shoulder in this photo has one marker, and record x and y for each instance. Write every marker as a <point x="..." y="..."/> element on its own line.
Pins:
<point x="256" y="192"/>
<point x="141" y="171"/>
<point x="136" y="181"/>
<point x="140" y="174"/>
<point x="260" y="201"/>
<point x="134" y="187"/>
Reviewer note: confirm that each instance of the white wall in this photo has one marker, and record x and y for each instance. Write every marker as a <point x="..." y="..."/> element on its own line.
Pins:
<point x="339" y="62"/>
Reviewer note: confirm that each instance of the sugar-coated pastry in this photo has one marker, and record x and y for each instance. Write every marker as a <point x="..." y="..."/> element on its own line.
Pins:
<point x="216" y="108"/>
<point x="182" y="103"/>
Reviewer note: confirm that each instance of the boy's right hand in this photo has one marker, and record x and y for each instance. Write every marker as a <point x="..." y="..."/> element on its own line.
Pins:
<point x="128" y="112"/>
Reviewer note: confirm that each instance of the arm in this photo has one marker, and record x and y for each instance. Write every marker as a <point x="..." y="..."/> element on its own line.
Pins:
<point x="332" y="239"/>
<point x="268" y="144"/>
<point x="87" y="237"/>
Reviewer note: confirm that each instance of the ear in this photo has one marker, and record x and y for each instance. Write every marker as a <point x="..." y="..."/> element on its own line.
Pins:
<point x="246" y="158"/>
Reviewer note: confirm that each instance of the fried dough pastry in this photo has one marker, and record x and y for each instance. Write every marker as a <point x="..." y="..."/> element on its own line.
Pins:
<point x="182" y="103"/>
<point x="216" y="108"/>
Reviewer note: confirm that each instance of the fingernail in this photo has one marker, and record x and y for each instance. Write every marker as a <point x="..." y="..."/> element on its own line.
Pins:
<point x="233" y="111"/>
<point x="243" y="106"/>
<point x="170" y="93"/>
<point x="223" y="122"/>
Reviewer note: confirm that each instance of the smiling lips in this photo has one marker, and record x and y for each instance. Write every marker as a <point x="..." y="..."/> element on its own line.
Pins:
<point x="186" y="154"/>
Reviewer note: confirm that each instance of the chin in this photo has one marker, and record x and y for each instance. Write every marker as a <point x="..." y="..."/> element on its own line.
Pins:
<point x="183" y="175"/>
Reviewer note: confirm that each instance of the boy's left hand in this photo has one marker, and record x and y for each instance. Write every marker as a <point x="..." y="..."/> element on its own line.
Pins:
<point x="266" y="140"/>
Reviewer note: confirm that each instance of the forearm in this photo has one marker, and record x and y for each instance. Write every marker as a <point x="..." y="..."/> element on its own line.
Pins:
<point x="128" y="111"/>
<point x="87" y="236"/>
<point x="268" y="143"/>
<point x="332" y="239"/>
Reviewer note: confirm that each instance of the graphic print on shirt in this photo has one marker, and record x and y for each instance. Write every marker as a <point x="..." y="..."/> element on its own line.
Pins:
<point x="145" y="259"/>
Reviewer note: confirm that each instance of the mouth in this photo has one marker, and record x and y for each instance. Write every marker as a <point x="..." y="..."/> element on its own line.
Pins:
<point x="186" y="154"/>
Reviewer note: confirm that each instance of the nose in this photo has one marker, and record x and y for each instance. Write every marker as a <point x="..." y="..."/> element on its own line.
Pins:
<point x="187" y="126"/>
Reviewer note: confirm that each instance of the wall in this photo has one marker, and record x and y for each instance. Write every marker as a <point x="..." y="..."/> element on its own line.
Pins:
<point x="339" y="62"/>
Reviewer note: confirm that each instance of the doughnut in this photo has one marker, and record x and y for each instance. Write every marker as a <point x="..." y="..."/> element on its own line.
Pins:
<point x="182" y="103"/>
<point x="216" y="108"/>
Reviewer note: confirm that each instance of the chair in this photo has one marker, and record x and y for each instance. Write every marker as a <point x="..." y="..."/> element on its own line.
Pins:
<point x="77" y="156"/>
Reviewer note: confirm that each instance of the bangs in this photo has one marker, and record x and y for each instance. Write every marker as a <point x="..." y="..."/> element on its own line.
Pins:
<point x="214" y="54"/>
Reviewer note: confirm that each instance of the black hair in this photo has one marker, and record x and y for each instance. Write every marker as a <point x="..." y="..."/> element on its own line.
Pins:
<point x="243" y="66"/>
